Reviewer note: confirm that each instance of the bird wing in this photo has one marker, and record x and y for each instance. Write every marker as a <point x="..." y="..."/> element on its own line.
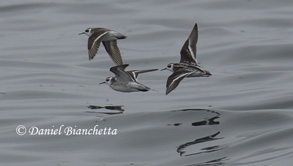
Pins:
<point x="188" y="51"/>
<point x="94" y="42"/>
<point x="135" y="73"/>
<point x="113" y="50"/>
<point x="175" y="78"/>
<point x="120" y="72"/>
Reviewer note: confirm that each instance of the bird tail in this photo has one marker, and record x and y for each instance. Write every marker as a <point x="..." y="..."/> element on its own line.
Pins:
<point x="145" y="71"/>
<point x="142" y="87"/>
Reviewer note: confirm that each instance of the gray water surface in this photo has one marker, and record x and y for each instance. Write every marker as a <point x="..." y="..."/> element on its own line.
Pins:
<point x="241" y="115"/>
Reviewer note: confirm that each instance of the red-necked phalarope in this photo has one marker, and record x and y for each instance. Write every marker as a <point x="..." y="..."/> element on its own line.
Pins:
<point x="126" y="81"/>
<point x="188" y="66"/>
<point x="108" y="38"/>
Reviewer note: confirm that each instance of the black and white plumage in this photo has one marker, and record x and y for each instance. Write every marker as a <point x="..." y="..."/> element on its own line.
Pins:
<point x="188" y="50"/>
<point x="108" y="38"/>
<point x="126" y="81"/>
<point x="188" y="66"/>
<point x="134" y="73"/>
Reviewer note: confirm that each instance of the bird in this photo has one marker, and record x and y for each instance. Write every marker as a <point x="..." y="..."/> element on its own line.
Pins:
<point x="188" y="65"/>
<point x="126" y="81"/>
<point x="108" y="38"/>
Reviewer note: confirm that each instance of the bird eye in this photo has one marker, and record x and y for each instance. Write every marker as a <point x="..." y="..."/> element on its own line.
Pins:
<point x="87" y="30"/>
<point x="107" y="79"/>
<point x="169" y="66"/>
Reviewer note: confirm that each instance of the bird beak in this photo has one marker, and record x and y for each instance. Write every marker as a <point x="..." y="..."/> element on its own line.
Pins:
<point x="163" y="69"/>
<point x="102" y="83"/>
<point x="81" y="33"/>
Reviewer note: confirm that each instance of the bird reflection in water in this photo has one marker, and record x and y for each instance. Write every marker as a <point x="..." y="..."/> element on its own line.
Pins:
<point x="208" y="138"/>
<point x="111" y="109"/>
<point x="215" y="162"/>
<point x="212" y="119"/>
<point x="206" y="121"/>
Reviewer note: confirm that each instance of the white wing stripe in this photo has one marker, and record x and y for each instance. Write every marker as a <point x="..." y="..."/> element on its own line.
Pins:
<point x="191" y="52"/>
<point x="182" y="75"/>
<point x="98" y="39"/>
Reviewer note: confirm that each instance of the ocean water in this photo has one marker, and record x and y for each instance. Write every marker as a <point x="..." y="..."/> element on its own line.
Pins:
<point x="241" y="115"/>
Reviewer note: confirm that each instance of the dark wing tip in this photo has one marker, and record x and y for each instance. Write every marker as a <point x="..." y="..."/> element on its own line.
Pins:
<point x="123" y="37"/>
<point x="170" y="88"/>
<point x="123" y="66"/>
<point x="167" y="91"/>
<point x="91" y="56"/>
<point x="144" y="90"/>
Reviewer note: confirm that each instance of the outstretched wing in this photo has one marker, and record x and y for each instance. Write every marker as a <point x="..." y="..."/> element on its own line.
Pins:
<point x="120" y="72"/>
<point x="113" y="50"/>
<point x="135" y="73"/>
<point x="188" y="51"/>
<point x="175" y="78"/>
<point x="94" y="42"/>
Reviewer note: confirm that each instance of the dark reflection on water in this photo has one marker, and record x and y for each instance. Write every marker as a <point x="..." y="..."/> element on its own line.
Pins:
<point x="116" y="108"/>
<point x="181" y="148"/>
<point x="215" y="162"/>
<point x="206" y="121"/>
<point x="210" y="120"/>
